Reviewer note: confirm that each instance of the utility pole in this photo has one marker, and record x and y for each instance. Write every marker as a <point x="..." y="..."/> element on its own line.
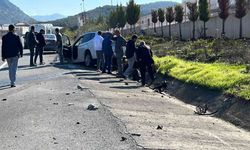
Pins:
<point x="111" y="2"/>
<point x="84" y="12"/>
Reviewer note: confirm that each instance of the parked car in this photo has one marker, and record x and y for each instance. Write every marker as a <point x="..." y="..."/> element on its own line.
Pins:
<point x="82" y="50"/>
<point x="51" y="44"/>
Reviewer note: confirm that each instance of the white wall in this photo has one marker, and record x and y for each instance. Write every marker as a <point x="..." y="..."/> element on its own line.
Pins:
<point x="214" y="28"/>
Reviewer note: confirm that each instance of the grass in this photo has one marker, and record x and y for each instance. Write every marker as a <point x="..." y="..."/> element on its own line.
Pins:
<point x="231" y="79"/>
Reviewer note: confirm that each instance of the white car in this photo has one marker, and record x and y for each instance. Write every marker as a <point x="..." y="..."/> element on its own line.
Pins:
<point x="82" y="50"/>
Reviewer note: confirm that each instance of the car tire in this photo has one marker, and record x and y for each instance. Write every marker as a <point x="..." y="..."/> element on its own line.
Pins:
<point x="88" y="60"/>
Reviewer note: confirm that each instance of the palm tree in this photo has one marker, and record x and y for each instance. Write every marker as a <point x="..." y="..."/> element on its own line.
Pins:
<point x="204" y="14"/>
<point x="154" y="15"/>
<point x="170" y="18"/>
<point x="179" y="17"/>
<point x="161" y="16"/>
<point x="193" y="15"/>
<point x="240" y="12"/>
<point x="224" y="13"/>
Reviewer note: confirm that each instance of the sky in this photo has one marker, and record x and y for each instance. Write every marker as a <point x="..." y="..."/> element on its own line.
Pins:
<point x="66" y="7"/>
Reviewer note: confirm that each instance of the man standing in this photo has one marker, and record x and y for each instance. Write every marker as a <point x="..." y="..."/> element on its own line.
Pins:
<point x="59" y="45"/>
<point x="108" y="53"/>
<point x="130" y="54"/>
<point x="12" y="49"/>
<point x="98" y="48"/>
<point x="40" y="46"/>
<point x="120" y="42"/>
<point x="32" y="42"/>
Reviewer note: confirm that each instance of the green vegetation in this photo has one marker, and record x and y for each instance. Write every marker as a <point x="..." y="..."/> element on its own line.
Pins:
<point x="208" y="51"/>
<point x="231" y="79"/>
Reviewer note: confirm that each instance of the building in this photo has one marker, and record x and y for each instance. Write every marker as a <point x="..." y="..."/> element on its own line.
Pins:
<point x="22" y="28"/>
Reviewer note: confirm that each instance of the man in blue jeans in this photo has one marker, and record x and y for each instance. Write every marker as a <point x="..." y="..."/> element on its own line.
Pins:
<point x="12" y="49"/>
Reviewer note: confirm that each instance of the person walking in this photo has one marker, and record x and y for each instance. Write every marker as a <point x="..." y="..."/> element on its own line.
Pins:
<point x="130" y="55"/>
<point x="32" y="42"/>
<point x="98" y="48"/>
<point x="12" y="49"/>
<point x="40" y="46"/>
<point x="120" y="42"/>
<point x="145" y="61"/>
<point x="108" y="53"/>
<point x="59" y="45"/>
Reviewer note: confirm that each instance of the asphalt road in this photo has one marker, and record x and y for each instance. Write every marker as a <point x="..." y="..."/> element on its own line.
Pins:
<point x="48" y="110"/>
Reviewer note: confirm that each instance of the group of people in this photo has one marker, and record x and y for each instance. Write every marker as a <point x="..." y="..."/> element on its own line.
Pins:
<point x="140" y="57"/>
<point x="36" y="43"/>
<point x="12" y="49"/>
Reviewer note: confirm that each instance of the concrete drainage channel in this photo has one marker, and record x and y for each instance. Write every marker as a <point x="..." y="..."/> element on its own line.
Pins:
<point x="226" y="107"/>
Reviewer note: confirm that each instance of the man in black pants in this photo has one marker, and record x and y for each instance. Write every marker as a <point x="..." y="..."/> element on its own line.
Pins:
<point x="32" y="42"/>
<point x="40" y="46"/>
<point x="145" y="62"/>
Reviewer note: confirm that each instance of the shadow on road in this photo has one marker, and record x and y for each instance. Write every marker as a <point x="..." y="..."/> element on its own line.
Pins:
<point x="27" y="67"/>
<point x="125" y="87"/>
<point x="110" y="81"/>
<point x="4" y="87"/>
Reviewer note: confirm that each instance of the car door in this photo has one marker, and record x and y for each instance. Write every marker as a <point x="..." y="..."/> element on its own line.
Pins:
<point x="82" y="47"/>
<point x="75" y="49"/>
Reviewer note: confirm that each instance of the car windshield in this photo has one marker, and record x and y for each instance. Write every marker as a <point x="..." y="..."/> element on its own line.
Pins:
<point x="50" y="37"/>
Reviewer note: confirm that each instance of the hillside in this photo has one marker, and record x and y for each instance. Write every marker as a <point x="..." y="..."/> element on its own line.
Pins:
<point x="104" y="11"/>
<point x="48" y="17"/>
<point x="9" y="13"/>
<point x="146" y="8"/>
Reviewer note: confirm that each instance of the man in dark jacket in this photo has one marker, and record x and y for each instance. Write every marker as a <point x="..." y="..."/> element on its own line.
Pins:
<point x="145" y="61"/>
<point x="108" y="53"/>
<point x="12" y="49"/>
<point x="120" y="42"/>
<point x="40" y="46"/>
<point x="32" y="42"/>
<point x="130" y="55"/>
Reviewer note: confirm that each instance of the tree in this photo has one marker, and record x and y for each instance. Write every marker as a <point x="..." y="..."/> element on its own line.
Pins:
<point x="100" y="19"/>
<point x="179" y="17"/>
<point x="133" y="13"/>
<point x="224" y="13"/>
<point x="240" y="12"/>
<point x="204" y="14"/>
<point x="121" y="17"/>
<point x="161" y="16"/>
<point x="112" y="21"/>
<point x="193" y="15"/>
<point x="154" y="15"/>
<point x="170" y="18"/>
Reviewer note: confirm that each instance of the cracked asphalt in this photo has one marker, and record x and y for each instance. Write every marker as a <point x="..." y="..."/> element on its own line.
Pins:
<point x="48" y="110"/>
